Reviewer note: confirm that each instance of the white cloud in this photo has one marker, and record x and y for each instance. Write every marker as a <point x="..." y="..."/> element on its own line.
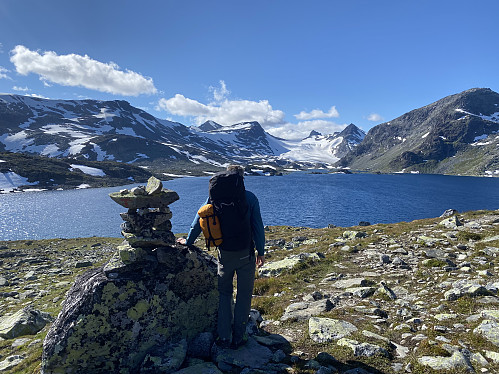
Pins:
<point x="317" y="113"/>
<point x="22" y="89"/>
<point x="1" y="48"/>
<point x="220" y="94"/>
<point x="302" y="129"/>
<point x="226" y="113"/>
<point x="77" y="70"/>
<point x="375" y="117"/>
<point x="3" y="73"/>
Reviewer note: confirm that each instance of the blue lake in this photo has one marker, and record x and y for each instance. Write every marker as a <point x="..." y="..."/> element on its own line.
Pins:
<point x="297" y="199"/>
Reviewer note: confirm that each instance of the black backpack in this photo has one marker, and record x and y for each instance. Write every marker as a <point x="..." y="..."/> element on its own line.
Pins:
<point x="228" y="196"/>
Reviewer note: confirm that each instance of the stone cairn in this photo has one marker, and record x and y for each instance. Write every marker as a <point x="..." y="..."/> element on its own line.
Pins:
<point x="147" y="223"/>
<point x="146" y="308"/>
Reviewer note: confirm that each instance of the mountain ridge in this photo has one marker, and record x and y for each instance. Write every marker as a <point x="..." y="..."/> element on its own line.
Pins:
<point x="441" y="137"/>
<point x="116" y="131"/>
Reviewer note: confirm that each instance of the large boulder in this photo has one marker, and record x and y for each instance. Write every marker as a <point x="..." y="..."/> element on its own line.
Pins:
<point x="122" y="317"/>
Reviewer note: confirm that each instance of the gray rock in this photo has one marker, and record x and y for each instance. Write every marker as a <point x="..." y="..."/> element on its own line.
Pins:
<point x="20" y="342"/>
<point x="489" y="330"/>
<point x="83" y="264"/>
<point x="200" y="346"/>
<point x="27" y="321"/>
<point x="451" y="222"/>
<point x="455" y="362"/>
<point x="251" y="355"/>
<point x="326" y="359"/>
<point x="362" y="349"/>
<point x="164" y="358"/>
<point x="10" y="362"/>
<point x="361" y="292"/>
<point x="323" y="330"/>
<point x="277" y="267"/>
<point x="274" y="342"/>
<point x="350" y="234"/>
<point x="351" y="282"/>
<point x="202" y="368"/>
<point x="3" y="282"/>
<point x="448" y="213"/>
<point x="304" y="310"/>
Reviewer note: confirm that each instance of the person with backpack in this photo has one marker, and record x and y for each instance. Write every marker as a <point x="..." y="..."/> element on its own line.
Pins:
<point x="238" y="213"/>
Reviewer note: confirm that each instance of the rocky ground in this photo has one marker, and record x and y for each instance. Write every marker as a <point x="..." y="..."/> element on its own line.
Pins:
<point x="417" y="297"/>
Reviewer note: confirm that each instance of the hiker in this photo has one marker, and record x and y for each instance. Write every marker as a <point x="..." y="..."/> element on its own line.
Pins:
<point x="235" y="255"/>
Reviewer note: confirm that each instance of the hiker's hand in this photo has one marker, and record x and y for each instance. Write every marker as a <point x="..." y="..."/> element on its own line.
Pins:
<point x="260" y="260"/>
<point x="182" y="241"/>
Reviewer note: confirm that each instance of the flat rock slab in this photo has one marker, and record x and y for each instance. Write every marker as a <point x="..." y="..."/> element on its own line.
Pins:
<point x="350" y="283"/>
<point x="456" y="361"/>
<point x="277" y="267"/>
<point x="304" y="310"/>
<point x="323" y="330"/>
<point x="274" y="342"/>
<point x="158" y="200"/>
<point x="251" y="355"/>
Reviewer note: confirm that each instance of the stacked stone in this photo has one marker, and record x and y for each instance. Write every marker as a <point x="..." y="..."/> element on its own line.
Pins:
<point x="147" y="222"/>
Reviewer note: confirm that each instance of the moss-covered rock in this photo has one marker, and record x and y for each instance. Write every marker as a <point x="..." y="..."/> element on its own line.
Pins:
<point x="116" y="318"/>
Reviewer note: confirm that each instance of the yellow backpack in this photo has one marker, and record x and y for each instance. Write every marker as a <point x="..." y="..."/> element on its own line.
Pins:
<point x="210" y="224"/>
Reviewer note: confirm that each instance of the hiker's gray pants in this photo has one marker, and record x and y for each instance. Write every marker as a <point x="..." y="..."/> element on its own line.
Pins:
<point x="243" y="265"/>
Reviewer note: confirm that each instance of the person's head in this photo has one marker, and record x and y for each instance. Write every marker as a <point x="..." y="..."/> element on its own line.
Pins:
<point x="237" y="168"/>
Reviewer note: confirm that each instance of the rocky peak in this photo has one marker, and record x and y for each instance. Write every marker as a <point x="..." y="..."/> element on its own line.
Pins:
<point x="210" y="126"/>
<point x="313" y="134"/>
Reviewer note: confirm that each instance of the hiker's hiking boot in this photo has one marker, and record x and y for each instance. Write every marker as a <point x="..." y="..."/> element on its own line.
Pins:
<point x="239" y="343"/>
<point x="222" y="343"/>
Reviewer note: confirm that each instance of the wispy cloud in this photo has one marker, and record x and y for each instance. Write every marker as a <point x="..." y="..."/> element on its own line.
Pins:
<point x="220" y="94"/>
<point x="317" y="114"/>
<point x="300" y="130"/>
<point x="21" y="89"/>
<point x="1" y="48"/>
<point x="3" y="73"/>
<point x="375" y="117"/>
<point x="82" y="71"/>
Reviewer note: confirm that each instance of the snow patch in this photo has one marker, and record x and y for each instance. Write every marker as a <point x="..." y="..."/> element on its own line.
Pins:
<point x="10" y="181"/>
<point x="82" y="186"/>
<point x="104" y="114"/>
<point x="51" y="150"/>
<point x="425" y="135"/>
<point x="89" y="170"/>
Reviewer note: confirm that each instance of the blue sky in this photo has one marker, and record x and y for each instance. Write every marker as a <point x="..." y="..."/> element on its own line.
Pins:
<point x="292" y="65"/>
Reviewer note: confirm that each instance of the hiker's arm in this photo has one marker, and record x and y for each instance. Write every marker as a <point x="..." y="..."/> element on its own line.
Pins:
<point x="195" y="229"/>
<point x="257" y="227"/>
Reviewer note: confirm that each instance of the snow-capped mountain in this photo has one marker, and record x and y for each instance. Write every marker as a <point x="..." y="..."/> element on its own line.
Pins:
<point x="324" y="148"/>
<point x="115" y="130"/>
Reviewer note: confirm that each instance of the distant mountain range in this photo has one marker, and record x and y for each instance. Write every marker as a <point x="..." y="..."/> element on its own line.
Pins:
<point x="458" y="134"/>
<point x="116" y="131"/>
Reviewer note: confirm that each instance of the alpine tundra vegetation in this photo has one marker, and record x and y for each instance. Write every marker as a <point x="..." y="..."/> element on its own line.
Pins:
<point x="419" y="297"/>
